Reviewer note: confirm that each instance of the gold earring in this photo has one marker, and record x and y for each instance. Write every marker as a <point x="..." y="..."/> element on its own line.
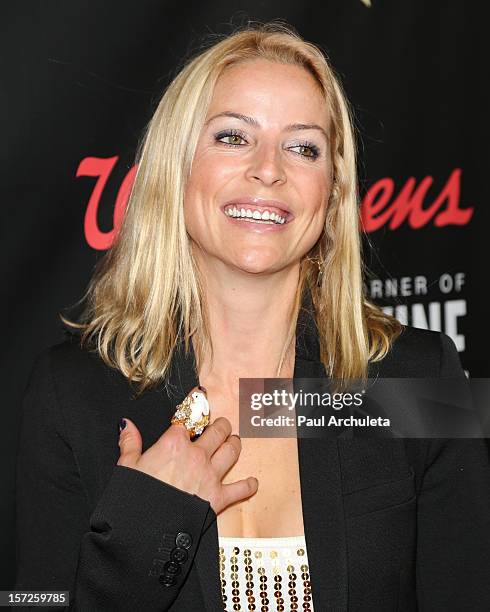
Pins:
<point x="320" y="264"/>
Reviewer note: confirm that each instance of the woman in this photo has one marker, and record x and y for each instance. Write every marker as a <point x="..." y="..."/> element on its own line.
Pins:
<point x="239" y="257"/>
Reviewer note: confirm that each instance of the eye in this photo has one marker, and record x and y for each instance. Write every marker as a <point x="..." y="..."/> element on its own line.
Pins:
<point x="314" y="151"/>
<point x="233" y="134"/>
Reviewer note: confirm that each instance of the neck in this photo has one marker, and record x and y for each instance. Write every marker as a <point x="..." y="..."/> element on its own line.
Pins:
<point x="249" y="318"/>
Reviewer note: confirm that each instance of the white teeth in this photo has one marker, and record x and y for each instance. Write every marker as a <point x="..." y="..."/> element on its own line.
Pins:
<point x="255" y="214"/>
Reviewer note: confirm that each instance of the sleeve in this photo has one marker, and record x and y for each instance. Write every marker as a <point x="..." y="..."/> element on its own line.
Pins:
<point x="453" y="533"/>
<point x="133" y="552"/>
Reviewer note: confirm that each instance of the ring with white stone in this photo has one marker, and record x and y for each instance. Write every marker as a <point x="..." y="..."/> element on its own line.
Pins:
<point x="193" y="412"/>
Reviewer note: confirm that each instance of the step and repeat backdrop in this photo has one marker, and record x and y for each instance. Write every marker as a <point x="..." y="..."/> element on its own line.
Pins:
<point x="82" y="80"/>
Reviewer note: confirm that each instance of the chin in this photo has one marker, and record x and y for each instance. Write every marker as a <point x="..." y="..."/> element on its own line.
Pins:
<point x="255" y="267"/>
<point x="257" y="259"/>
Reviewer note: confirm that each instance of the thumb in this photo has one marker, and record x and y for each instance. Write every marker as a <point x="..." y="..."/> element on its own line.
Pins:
<point x="130" y="443"/>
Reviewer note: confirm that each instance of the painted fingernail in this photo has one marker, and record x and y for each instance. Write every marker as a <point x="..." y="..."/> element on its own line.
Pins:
<point x="201" y="388"/>
<point x="122" y="424"/>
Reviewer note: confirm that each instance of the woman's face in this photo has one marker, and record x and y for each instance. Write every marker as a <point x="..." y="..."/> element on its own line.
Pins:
<point x="261" y="160"/>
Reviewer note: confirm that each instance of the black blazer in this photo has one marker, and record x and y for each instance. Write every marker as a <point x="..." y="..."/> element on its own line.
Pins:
<point x="390" y="524"/>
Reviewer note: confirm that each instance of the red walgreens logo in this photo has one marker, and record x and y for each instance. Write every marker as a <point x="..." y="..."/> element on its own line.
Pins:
<point x="380" y="206"/>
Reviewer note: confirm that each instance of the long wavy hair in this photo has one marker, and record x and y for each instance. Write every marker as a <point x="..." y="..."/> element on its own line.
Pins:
<point x="146" y="293"/>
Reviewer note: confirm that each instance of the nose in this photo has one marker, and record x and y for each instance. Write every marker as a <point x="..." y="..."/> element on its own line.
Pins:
<point x="266" y="166"/>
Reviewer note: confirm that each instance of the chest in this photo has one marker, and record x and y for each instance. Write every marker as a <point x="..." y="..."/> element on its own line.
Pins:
<point x="275" y="510"/>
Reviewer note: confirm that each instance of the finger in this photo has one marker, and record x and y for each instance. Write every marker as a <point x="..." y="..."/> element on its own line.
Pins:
<point x="174" y="438"/>
<point x="226" y="455"/>
<point x="241" y="489"/>
<point x="130" y="444"/>
<point x="179" y="430"/>
<point x="214" y="435"/>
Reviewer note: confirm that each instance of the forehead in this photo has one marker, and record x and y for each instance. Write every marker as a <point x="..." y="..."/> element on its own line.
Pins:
<point x="273" y="90"/>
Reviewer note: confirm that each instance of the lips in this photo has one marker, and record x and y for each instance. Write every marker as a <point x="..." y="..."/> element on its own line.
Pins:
<point x="261" y="205"/>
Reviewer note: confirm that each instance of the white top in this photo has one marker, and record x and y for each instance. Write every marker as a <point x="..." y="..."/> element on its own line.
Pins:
<point x="271" y="573"/>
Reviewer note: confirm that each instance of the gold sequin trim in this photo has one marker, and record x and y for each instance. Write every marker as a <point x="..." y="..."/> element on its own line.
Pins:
<point x="281" y="592"/>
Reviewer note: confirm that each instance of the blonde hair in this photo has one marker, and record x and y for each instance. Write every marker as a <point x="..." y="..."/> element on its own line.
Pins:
<point x="146" y="290"/>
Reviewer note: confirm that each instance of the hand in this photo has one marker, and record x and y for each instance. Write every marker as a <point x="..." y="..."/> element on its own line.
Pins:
<point x="196" y="467"/>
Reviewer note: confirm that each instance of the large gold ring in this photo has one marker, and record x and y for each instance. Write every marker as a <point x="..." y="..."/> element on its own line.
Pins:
<point x="193" y="412"/>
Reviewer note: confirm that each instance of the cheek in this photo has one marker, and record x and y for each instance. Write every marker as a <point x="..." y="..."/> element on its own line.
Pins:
<point x="315" y="183"/>
<point x="200" y="202"/>
<point x="193" y="208"/>
<point x="204" y="183"/>
<point x="317" y="226"/>
<point x="317" y="195"/>
<point x="196" y="191"/>
<point x="196" y="219"/>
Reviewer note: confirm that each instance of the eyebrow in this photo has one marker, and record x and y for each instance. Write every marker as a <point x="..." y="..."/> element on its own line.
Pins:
<point x="292" y="127"/>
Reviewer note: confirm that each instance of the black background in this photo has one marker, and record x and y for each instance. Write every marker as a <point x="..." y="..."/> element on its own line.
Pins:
<point x="82" y="79"/>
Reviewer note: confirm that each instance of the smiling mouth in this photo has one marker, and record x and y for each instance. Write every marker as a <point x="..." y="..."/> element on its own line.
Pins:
<point x="259" y="221"/>
<point x="257" y="214"/>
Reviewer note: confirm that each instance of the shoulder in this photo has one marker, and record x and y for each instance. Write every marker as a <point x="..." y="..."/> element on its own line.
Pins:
<point x="73" y="369"/>
<point x="70" y="357"/>
<point x="420" y="353"/>
<point x="71" y="391"/>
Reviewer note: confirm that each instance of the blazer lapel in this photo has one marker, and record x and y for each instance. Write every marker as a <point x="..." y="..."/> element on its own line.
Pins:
<point x="320" y="475"/>
<point x="320" y="478"/>
<point x="183" y="377"/>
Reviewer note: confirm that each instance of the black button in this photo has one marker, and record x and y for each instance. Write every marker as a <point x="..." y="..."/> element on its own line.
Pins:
<point x="166" y="580"/>
<point x="172" y="568"/>
<point x="179" y="554"/>
<point x="183" y="539"/>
